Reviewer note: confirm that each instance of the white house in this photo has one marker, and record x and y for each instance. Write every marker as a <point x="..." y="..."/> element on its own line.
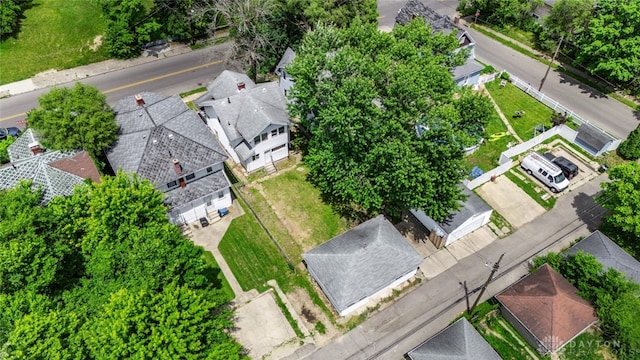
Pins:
<point x="361" y="264"/>
<point x="469" y="72"/>
<point x="164" y="141"/>
<point x="473" y="214"/>
<point x="250" y="120"/>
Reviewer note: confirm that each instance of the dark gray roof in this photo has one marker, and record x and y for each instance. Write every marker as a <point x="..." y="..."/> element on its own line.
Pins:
<point x="361" y="262"/>
<point x="474" y="205"/>
<point x="438" y="23"/>
<point x="592" y="137"/>
<point x="468" y="68"/>
<point x="167" y="130"/>
<point x="54" y="182"/>
<point x="458" y="341"/>
<point x="226" y="84"/>
<point x="609" y="254"/>
<point x="246" y="114"/>
<point x="19" y="150"/>
<point x="200" y="188"/>
<point x="287" y="59"/>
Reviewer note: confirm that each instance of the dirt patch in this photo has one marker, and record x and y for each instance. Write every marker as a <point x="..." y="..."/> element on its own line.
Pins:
<point x="312" y="314"/>
<point x="97" y="42"/>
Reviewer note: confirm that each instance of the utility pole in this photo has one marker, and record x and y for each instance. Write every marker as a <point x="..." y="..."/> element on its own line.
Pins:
<point x="551" y="63"/>
<point x="496" y="266"/>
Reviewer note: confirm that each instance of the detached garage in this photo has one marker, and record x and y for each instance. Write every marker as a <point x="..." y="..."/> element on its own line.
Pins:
<point x="473" y="214"/>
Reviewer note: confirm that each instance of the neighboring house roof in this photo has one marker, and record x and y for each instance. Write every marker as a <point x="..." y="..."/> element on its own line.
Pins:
<point x="438" y="22"/>
<point x="53" y="181"/>
<point x="549" y="307"/>
<point x="80" y="164"/>
<point x="19" y="150"/>
<point x="467" y="69"/>
<point x="609" y="254"/>
<point x="287" y="58"/>
<point x="458" y="341"/>
<point x="473" y="205"/>
<point x="226" y="84"/>
<point x="154" y="134"/>
<point x="246" y="114"/>
<point x="361" y="262"/>
<point x="592" y="137"/>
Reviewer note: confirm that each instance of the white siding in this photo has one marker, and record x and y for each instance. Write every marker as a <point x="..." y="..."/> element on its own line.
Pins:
<point x="469" y="226"/>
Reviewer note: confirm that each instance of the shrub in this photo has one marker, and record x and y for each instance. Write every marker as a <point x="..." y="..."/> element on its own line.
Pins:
<point x="630" y="148"/>
<point x="4" y="144"/>
<point x="488" y="70"/>
<point x="505" y="75"/>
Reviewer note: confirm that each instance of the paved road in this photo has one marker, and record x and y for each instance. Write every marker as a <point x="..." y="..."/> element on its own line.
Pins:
<point x="169" y="76"/>
<point x="592" y="105"/>
<point x="428" y="309"/>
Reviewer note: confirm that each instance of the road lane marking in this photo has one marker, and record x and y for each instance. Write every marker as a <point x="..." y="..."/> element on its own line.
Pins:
<point x="162" y="77"/>
<point x="137" y="83"/>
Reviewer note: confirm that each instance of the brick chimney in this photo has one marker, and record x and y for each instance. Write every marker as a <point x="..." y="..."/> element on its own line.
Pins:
<point x="139" y="100"/>
<point x="183" y="184"/>
<point x="240" y="86"/>
<point x="35" y="148"/>
<point x="177" y="166"/>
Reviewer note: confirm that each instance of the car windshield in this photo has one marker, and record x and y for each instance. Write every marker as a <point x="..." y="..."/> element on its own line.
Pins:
<point x="559" y="178"/>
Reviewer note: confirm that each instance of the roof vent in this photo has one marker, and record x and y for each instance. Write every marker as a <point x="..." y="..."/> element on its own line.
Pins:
<point x="35" y="148"/>
<point x="154" y="141"/>
<point x="170" y="135"/>
<point x="139" y="100"/>
<point x="177" y="167"/>
<point x="241" y="86"/>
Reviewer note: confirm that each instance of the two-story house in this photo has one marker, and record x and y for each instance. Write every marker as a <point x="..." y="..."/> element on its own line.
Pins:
<point x="250" y="120"/>
<point x="164" y="141"/>
<point x="465" y="74"/>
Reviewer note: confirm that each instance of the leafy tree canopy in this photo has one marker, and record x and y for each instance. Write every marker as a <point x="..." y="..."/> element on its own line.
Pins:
<point x="11" y="11"/>
<point x="386" y="130"/>
<point x="75" y="118"/>
<point x="102" y="274"/>
<point x="621" y="196"/>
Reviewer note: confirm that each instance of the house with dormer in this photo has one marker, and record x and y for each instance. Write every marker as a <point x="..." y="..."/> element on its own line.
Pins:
<point x="250" y="120"/>
<point x="164" y="141"/>
<point x="467" y="74"/>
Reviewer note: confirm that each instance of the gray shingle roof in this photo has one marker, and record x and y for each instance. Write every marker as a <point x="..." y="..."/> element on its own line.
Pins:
<point x="168" y="130"/>
<point x="287" y="58"/>
<point x="438" y="23"/>
<point x="609" y="254"/>
<point x="226" y="84"/>
<point x="361" y="262"/>
<point x="19" y="150"/>
<point x="458" y="341"/>
<point x="472" y="206"/>
<point x="54" y="182"/>
<point x="195" y="190"/>
<point x="592" y="137"/>
<point x="468" y="68"/>
<point x="248" y="113"/>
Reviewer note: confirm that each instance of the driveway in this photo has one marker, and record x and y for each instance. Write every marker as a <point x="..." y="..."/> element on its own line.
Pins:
<point x="505" y="197"/>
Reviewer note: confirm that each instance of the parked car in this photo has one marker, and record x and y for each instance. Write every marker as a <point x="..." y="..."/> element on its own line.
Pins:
<point x="10" y="131"/>
<point x="569" y="169"/>
<point x="545" y="171"/>
<point x="549" y="156"/>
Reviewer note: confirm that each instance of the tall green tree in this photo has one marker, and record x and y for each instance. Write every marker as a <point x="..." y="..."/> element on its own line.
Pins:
<point x="506" y="12"/>
<point x="75" y="118"/>
<point x="186" y="19"/>
<point x="385" y="127"/>
<point x="567" y="19"/>
<point x="630" y="147"/>
<point x="611" y="44"/>
<point x="11" y="11"/>
<point x="130" y="25"/>
<point x="621" y="196"/>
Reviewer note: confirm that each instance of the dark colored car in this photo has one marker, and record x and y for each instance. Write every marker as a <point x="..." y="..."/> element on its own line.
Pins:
<point x="204" y="222"/>
<point x="549" y="156"/>
<point x="10" y="131"/>
<point x="569" y="169"/>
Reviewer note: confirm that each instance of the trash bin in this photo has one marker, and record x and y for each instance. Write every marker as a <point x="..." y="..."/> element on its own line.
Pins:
<point x="222" y="212"/>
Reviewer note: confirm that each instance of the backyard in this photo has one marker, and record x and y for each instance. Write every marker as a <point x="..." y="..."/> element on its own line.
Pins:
<point x="55" y="34"/>
<point x="534" y="115"/>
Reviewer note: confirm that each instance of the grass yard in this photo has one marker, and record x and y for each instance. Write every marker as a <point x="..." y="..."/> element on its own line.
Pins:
<point x="216" y="276"/>
<point x="252" y="256"/>
<point x="511" y="99"/>
<point x="587" y="346"/>
<point x="55" y="34"/>
<point x="309" y="220"/>
<point x="487" y="156"/>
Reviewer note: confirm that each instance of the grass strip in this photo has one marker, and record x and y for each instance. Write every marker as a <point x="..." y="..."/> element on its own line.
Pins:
<point x="215" y="275"/>
<point x="528" y="187"/>
<point x="287" y="315"/>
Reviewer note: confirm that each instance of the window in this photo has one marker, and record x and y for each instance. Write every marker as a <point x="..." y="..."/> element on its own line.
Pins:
<point x="209" y="169"/>
<point x="255" y="157"/>
<point x="264" y="136"/>
<point x="274" y="132"/>
<point x="281" y="130"/>
<point x="191" y="177"/>
<point x="220" y="194"/>
<point x="278" y="147"/>
<point x="172" y="184"/>
<point x="256" y="140"/>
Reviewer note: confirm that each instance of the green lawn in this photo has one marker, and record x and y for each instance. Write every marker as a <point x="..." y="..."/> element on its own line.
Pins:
<point x="54" y="34"/>
<point x="586" y="346"/>
<point x="251" y="255"/>
<point x="216" y="276"/>
<point x="511" y="99"/>
<point x="310" y="221"/>
<point x="487" y="156"/>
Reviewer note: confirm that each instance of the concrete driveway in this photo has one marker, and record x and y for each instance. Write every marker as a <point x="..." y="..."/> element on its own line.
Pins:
<point x="505" y="197"/>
